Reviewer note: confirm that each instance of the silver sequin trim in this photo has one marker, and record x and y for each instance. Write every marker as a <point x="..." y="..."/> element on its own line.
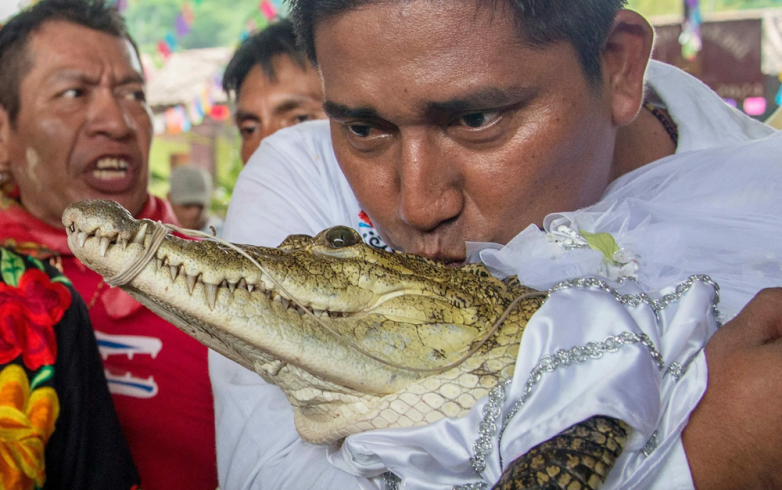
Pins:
<point x="472" y="486"/>
<point x="393" y="482"/>
<point x="676" y="370"/>
<point x="548" y="363"/>
<point x="651" y="444"/>
<point x="657" y="305"/>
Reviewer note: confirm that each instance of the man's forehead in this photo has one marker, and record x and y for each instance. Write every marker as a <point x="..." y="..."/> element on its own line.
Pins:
<point x="66" y="48"/>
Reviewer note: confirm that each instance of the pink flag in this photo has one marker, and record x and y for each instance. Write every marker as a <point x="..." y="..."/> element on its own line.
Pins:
<point x="268" y="10"/>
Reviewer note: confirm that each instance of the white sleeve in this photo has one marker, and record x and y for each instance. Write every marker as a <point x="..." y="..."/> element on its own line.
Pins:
<point x="290" y="186"/>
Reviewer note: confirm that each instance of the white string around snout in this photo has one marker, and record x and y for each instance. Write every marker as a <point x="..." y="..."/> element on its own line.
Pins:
<point x="162" y="230"/>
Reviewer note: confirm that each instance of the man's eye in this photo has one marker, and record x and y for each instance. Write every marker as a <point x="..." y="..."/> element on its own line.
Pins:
<point x="73" y="93"/>
<point x="476" y="120"/>
<point x="302" y="118"/>
<point x="247" y="130"/>
<point x="137" y="95"/>
<point x="360" y="130"/>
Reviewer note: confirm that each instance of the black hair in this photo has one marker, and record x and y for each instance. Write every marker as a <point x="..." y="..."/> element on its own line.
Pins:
<point x="15" y="34"/>
<point x="278" y="39"/>
<point x="583" y="23"/>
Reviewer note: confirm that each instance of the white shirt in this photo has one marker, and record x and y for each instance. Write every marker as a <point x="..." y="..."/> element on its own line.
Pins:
<point x="293" y="184"/>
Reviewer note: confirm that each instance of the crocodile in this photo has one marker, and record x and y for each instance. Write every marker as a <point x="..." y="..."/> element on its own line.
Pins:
<point x="357" y="338"/>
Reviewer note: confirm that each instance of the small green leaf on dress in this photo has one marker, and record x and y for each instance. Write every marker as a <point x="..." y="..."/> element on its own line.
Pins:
<point x="63" y="280"/>
<point x="603" y="243"/>
<point x="11" y="267"/>
<point x="46" y="373"/>
<point x="37" y="263"/>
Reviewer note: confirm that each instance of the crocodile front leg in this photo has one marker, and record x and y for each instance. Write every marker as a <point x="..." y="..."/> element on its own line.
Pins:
<point x="579" y="458"/>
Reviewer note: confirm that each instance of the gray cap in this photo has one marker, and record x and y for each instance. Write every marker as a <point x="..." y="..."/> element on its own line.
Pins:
<point x="190" y="185"/>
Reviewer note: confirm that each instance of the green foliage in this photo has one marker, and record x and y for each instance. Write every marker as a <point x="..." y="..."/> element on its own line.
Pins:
<point x="216" y="22"/>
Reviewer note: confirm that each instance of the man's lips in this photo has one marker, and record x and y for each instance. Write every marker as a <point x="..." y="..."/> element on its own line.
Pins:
<point x="111" y="174"/>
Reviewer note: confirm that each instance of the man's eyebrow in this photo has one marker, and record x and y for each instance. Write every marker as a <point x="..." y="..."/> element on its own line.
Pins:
<point x="134" y="77"/>
<point x="486" y="98"/>
<point x="80" y="76"/>
<point x="339" y="111"/>
<point x="290" y="104"/>
<point x="246" y="116"/>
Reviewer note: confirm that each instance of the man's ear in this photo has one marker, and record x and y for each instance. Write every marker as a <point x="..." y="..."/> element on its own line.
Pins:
<point x="5" y="138"/>
<point x="625" y="57"/>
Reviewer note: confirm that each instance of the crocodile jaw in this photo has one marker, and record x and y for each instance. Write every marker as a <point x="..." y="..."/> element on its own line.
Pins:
<point x="205" y="290"/>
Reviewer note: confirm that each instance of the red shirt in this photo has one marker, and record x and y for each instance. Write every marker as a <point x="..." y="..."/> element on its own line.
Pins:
<point x="157" y="375"/>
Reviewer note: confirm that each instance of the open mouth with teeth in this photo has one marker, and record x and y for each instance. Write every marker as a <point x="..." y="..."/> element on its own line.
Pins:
<point x="111" y="169"/>
<point x="338" y="325"/>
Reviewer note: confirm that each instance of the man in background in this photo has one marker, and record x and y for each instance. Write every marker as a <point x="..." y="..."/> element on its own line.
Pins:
<point x="75" y="125"/>
<point x="274" y="85"/>
<point x="191" y="198"/>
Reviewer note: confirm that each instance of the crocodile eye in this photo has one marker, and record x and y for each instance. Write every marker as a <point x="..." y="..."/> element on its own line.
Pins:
<point x="341" y="237"/>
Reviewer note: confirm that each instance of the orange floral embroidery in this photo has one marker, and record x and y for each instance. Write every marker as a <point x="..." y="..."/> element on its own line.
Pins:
<point x="26" y="423"/>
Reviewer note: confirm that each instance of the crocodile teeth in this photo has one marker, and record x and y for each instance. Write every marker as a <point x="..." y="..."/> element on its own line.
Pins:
<point x="97" y="233"/>
<point x="82" y="238"/>
<point x="124" y="243"/>
<point x="318" y="313"/>
<point x="250" y="287"/>
<point x="142" y="232"/>
<point x="159" y="263"/>
<point x="211" y="295"/>
<point x="242" y="283"/>
<point x="191" y="282"/>
<point x="104" y="246"/>
<point x="174" y="271"/>
<point x="277" y="298"/>
<point x="232" y="287"/>
<point x="285" y="302"/>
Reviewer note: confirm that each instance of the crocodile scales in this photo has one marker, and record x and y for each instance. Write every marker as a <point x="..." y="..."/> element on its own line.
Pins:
<point x="408" y="319"/>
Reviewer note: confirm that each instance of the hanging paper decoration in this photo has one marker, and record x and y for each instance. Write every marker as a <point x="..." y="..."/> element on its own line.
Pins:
<point x="163" y="49"/>
<point x="181" y="25"/>
<point x="691" y="39"/>
<point x="171" y="41"/>
<point x="268" y="10"/>
<point x="220" y="113"/>
<point x="196" y="112"/>
<point x="187" y="13"/>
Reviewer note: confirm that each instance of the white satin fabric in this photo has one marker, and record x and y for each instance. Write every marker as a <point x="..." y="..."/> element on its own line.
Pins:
<point x="715" y="212"/>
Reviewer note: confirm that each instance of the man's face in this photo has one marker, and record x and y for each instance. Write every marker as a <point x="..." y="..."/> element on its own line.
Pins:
<point x="84" y="128"/>
<point x="191" y="216"/>
<point x="264" y="106"/>
<point x="449" y="129"/>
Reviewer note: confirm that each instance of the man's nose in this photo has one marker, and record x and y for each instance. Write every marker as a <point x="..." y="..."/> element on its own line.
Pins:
<point x="107" y="116"/>
<point x="429" y="184"/>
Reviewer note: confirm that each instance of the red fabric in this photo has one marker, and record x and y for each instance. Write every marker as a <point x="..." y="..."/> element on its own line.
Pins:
<point x="170" y="426"/>
<point x="28" y="314"/>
